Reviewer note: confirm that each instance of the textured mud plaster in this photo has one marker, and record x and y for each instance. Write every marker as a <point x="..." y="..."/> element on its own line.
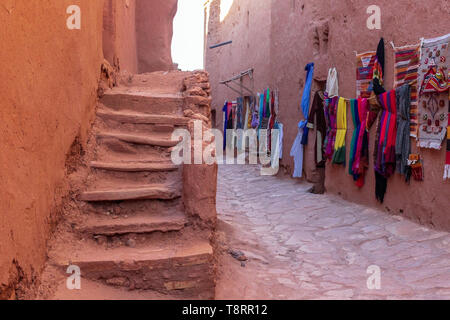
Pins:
<point x="199" y="181"/>
<point x="48" y="89"/>
<point x="278" y="38"/>
<point x="154" y="22"/>
<point x="119" y="34"/>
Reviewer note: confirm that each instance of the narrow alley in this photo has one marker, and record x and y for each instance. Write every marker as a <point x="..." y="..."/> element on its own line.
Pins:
<point x="305" y="246"/>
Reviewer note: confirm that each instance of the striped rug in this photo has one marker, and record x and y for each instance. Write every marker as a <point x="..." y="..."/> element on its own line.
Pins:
<point x="407" y="63"/>
<point x="365" y="63"/>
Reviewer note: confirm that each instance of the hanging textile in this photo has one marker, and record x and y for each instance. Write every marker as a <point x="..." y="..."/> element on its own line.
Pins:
<point x="403" y="141"/>
<point x="330" y="117"/>
<point x="255" y="115"/>
<point x="225" y="125"/>
<point x="359" y="150"/>
<point x="378" y="70"/>
<point x="306" y="100"/>
<point x="279" y="126"/>
<point x="433" y="98"/>
<point x="317" y="113"/>
<point x="239" y="113"/>
<point x="447" y="159"/>
<point x="365" y="63"/>
<point x="341" y="132"/>
<point x="407" y="62"/>
<point x="297" y="147"/>
<point x="272" y="119"/>
<point x="332" y="87"/>
<point x="385" y="159"/>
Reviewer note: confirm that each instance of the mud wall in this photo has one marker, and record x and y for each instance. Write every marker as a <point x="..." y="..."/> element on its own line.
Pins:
<point x="248" y="26"/>
<point x="327" y="33"/>
<point x="48" y="84"/>
<point x="154" y="22"/>
<point x="119" y="34"/>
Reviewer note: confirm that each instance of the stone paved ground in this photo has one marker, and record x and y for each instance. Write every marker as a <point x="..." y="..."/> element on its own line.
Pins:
<point x="305" y="246"/>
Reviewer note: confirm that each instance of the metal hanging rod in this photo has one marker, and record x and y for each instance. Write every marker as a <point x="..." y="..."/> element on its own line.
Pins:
<point x="239" y="77"/>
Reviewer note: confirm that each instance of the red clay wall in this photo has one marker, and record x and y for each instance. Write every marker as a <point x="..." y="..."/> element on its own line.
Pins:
<point x="154" y="22"/>
<point x="48" y="93"/>
<point x="119" y="34"/>
<point x="291" y="40"/>
<point x="248" y="26"/>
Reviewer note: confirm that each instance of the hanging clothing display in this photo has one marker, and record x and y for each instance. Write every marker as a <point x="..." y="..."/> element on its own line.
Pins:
<point x="330" y="111"/>
<point x="359" y="149"/>
<point x="433" y="98"/>
<point x="332" y="86"/>
<point x="365" y="63"/>
<point x="384" y="155"/>
<point x="316" y="119"/>
<point x="239" y="113"/>
<point x="378" y="70"/>
<point x="403" y="141"/>
<point x="227" y="121"/>
<point x="406" y="68"/>
<point x="297" y="147"/>
<point x="341" y="132"/>
<point x="279" y="127"/>
<point x="255" y="115"/>
<point x="447" y="159"/>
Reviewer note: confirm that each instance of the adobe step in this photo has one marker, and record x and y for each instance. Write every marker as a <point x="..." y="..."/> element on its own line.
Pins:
<point x="143" y="223"/>
<point x="141" y="118"/>
<point x="150" y="192"/>
<point x="184" y="268"/>
<point x="144" y="101"/>
<point x="151" y="140"/>
<point x="134" y="166"/>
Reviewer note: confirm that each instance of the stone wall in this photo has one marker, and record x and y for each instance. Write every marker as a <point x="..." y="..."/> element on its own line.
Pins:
<point x="328" y="33"/>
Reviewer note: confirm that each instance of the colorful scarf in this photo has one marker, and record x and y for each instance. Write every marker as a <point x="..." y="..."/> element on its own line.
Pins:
<point x="385" y="161"/>
<point x="403" y="141"/>
<point x="384" y="155"/>
<point x="239" y="113"/>
<point x="432" y="98"/>
<point x="330" y="116"/>
<point x="297" y="147"/>
<point x="317" y="113"/>
<point x="365" y="66"/>
<point x="341" y="132"/>
<point x="447" y="160"/>
<point x="359" y="150"/>
<point x="407" y="62"/>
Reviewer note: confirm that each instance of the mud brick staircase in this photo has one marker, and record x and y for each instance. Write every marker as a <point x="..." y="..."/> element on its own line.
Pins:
<point x="130" y="228"/>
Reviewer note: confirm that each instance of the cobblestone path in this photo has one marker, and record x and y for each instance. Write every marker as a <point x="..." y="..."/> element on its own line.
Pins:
<point x="305" y="246"/>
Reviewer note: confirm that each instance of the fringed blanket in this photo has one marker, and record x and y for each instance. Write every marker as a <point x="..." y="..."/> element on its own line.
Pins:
<point x="359" y="150"/>
<point x="365" y="66"/>
<point x="407" y="62"/>
<point x="433" y="84"/>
